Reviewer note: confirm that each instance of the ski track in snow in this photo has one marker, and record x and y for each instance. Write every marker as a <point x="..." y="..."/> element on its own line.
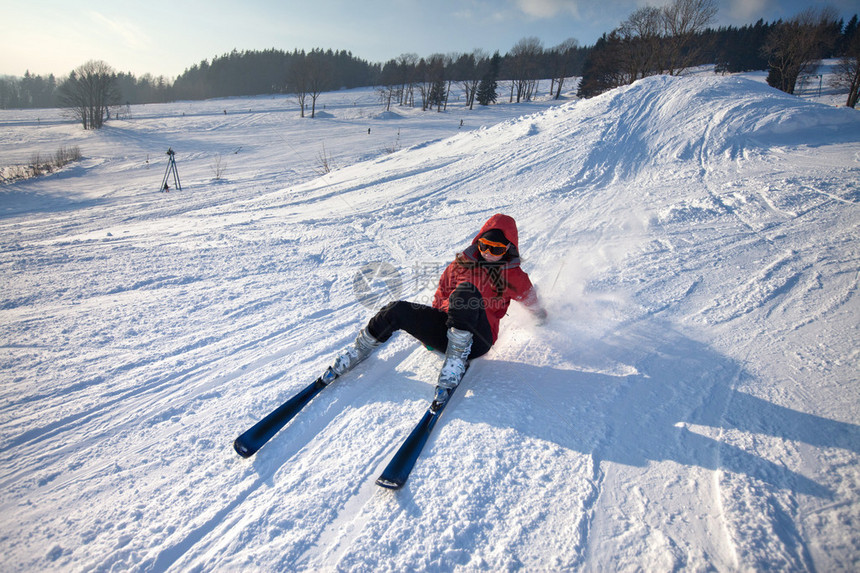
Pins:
<point x="691" y="405"/>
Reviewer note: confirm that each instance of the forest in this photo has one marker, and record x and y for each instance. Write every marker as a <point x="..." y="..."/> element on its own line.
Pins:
<point x="636" y="49"/>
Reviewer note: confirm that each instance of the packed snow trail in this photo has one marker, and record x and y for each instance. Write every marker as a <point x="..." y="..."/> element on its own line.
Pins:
<point x="691" y="404"/>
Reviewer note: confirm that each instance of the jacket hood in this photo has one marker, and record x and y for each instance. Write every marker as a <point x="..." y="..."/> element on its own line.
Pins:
<point x="503" y="223"/>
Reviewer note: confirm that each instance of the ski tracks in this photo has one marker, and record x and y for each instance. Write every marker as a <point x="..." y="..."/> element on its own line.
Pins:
<point x="365" y="511"/>
<point x="332" y="492"/>
<point x="655" y="441"/>
<point x="636" y="421"/>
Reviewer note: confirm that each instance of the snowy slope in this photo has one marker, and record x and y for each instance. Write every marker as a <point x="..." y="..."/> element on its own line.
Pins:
<point x="693" y="403"/>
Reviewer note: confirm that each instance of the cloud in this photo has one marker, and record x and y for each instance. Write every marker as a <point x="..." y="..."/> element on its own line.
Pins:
<point x="549" y="8"/>
<point x="745" y="10"/>
<point x="131" y="35"/>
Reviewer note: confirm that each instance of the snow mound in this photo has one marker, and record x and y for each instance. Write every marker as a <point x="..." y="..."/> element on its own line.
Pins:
<point x="388" y="115"/>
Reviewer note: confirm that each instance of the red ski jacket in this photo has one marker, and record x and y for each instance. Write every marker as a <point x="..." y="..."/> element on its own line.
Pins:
<point x="518" y="285"/>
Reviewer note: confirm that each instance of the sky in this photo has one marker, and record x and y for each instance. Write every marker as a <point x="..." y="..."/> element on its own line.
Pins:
<point x="165" y="38"/>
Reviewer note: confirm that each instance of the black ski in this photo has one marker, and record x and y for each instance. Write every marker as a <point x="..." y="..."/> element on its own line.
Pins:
<point x="397" y="471"/>
<point x="257" y="435"/>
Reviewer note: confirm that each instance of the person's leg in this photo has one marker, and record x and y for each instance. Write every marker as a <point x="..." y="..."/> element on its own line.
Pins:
<point x="466" y="311"/>
<point x="469" y="336"/>
<point x="425" y="323"/>
<point x="429" y="325"/>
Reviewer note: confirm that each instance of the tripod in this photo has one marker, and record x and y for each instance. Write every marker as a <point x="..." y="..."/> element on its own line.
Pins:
<point x="171" y="168"/>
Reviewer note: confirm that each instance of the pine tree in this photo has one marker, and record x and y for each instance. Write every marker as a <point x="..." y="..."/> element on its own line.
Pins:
<point x="600" y="72"/>
<point x="437" y="94"/>
<point x="489" y="84"/>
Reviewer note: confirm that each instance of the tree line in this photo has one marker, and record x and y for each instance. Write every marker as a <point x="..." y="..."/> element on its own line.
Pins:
<point x="672" y="39"/>
<point x="666" y="40"/>
<point x="421" y="81"/>
<point x="28" y="92"/>
<point x="244" y="73"/>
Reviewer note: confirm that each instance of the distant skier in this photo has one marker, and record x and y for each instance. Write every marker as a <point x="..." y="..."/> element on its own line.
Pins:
<point x="473" y="295"/>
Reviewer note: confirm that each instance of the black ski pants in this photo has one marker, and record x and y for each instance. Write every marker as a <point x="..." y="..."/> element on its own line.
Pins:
<point x="430" y="325"/>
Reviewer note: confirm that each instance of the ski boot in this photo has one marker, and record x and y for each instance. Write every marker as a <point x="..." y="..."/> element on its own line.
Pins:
<point x="456" y="362"/>
<point x="350" y="356"/>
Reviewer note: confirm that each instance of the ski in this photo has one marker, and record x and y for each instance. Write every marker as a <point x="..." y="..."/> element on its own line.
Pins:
<point x="397" y="471"/>
<point x="257" y="435"/>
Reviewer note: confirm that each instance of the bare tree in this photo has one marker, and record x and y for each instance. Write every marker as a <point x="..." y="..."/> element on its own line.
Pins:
<point x="88" y="92"/>
<point x="524" y="59"/>
<point x="683" y="23"/>
<point x="650" y="41"/>
<point x="319" y="74"/>
<point x="423" y="82"/>
<point x="389" y="83"/>
<point x="299" y="73"/>
<point x="431" y="85"/>
<point x="409" y="64"/>
<point x="795" y="47"/>
<point x="468" y="70"/>
<point x="665" y="40"/>
<point x="563" y="63"/>
<point x="641" y="44"/>
<point x="848" y="70"/>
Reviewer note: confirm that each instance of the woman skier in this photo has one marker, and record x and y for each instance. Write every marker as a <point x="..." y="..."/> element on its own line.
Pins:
<point x="473" y="295"/>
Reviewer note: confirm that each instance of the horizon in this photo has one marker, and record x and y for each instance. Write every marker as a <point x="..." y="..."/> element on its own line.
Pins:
<point x="51" y="38"/>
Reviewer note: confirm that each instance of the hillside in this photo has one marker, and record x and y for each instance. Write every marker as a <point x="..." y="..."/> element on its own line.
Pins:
<point x="692" y="403"/>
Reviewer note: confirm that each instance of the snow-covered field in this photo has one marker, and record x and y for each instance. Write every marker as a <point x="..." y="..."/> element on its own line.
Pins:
<point x="692" y="404"/>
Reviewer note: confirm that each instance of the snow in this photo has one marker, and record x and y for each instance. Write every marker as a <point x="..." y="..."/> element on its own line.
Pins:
<point x="692" y="403"/>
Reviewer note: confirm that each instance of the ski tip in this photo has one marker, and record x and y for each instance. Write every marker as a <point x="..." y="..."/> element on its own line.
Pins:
<point x="389" y="484"/>
<point x="242" y="449"/>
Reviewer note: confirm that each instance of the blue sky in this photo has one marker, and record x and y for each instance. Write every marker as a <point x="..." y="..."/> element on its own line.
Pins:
<point x="165" y="38"/>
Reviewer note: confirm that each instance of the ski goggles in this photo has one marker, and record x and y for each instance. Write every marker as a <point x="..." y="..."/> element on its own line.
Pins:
<point x="492" y="247"/>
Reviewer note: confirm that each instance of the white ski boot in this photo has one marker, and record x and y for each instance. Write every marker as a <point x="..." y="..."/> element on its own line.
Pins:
<point x="456" y="361"/>
<point x="350" y="356"/>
